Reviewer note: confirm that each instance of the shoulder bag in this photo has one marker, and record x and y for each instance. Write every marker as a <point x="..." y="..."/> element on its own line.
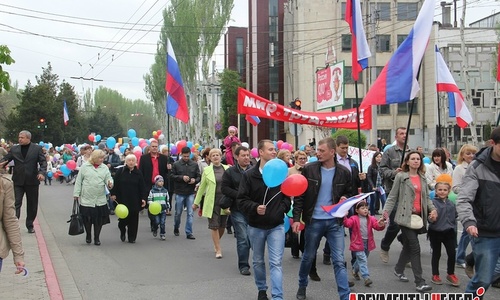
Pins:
<point x="76" y="221"/>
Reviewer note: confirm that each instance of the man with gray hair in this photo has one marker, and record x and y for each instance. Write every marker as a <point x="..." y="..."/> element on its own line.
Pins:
<point x="31" y="166"/>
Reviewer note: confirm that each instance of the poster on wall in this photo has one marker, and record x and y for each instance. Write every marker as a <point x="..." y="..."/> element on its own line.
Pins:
<point x="330" y="86"/>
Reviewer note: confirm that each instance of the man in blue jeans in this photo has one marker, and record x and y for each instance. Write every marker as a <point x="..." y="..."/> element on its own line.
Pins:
<point x="265" y="208"/>
<point x="230" y="185"/>
<point x="479" y="212"/>
<point x="186" y="174"/>
<point x="328" y="183"/>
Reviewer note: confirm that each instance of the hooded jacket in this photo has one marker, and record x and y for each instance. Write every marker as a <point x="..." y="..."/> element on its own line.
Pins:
<point x="478" y="203"/>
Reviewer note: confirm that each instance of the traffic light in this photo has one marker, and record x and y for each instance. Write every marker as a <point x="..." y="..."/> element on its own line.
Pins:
<point x="42" y="123"/>
<point x="296" y="104"/>
<point x="42" y="120"/>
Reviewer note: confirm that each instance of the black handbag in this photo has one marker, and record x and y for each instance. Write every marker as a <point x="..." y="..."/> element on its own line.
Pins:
<point x="76" y="221"/>
<point x="225" y="202"/>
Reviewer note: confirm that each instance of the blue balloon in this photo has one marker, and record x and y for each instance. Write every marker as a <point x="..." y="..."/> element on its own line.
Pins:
<point x="50" y="174"/>
<point x="111" y="142"/>
<point x="286" y="222"/>
<point x="41" y="143"/>
<point x="302" y="148"/>
<point x="189" y="144"/>
<point x="122" y="149"/>
<point x="312" y="159"/>
<point x="426" y="160"/>
<point x="47" y="146"/>
<point x="65" y="170"/>
<point x="432" y="194"/>
<point x="98" y="138"/>
<point x="274" y="172"/>
<point x="135" y="141"/>
<point x="387" y="147"/>
<point x="131" y="133"/>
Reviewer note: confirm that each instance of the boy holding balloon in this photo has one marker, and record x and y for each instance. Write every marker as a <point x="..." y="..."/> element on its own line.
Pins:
<point x="158" y="205"/>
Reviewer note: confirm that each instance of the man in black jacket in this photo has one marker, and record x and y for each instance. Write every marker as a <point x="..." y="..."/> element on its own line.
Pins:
<point x="230" y="185"/>
<point x="152" y="165"/>
<point x="328" y="183"/>
<point x="265" y="209"/>
<point x="27" y="175"/>
<point x="186" y="175"/>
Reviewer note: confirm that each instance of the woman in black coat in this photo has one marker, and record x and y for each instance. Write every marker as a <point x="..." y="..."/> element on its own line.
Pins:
<point x="129" y="190"/>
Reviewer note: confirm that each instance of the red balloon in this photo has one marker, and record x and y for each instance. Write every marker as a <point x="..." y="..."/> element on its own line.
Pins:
<point x="279" y="144"/>
<point x="71" y="164"/>
<point x="91" y="137"/>
<point x="181" y="144"/>
<point x="55" y="175"/>
<point x="294" y="185"/>
<point x="158" y="132"/>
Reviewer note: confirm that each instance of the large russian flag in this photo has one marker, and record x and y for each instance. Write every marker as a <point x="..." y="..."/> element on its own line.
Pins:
<point x="359" y="45"/>
<point x="397" y="83"/>
<point x="176" y="98"/>
<point x="446" y="83"/>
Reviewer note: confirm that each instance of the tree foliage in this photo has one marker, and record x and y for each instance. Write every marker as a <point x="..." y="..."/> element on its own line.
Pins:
<point x="5" y="58"/>
<point x="352" y="136"/>
<point x="230" y="81"/>
<point x="194" y="28"/>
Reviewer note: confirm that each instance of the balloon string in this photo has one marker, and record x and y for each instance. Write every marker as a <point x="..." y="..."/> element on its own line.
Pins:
<point x="271" y="198"/>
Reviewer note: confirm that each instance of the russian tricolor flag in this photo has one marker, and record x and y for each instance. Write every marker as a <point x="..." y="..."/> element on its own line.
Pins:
<point x="176" y="98"/>
<point x="254" y="120"/>
<point x="359" y="48"/>
<point x="397" y="83"/>
<point x="65" y="114"/>
<point x="340" y="209"/>
<point x="446" y="83"/>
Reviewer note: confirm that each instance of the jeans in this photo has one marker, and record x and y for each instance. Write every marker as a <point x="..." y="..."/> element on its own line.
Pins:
<point x="182" y="201"/>
<point x="462" y="247"/>
<point x="361" y="263"/>
<point x="486" y="255"/>
<point x="160" y="220"/>
<point x="275" y="238"/>
<point x="334" y="232"/>
<point x="391" y="233"/>
<point x="374" y="198"/>
<point x="410" y="253"/>
<point x="240" y="225"/>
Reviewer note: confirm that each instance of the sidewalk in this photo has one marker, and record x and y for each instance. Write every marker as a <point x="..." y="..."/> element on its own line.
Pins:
<point x="42" y="257"/>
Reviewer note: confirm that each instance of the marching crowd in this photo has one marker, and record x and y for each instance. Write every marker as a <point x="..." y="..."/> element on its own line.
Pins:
<point x="409" y="196"/>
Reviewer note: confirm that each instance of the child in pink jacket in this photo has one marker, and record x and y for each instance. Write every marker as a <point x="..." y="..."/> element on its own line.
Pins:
<point x="362" y="241"/>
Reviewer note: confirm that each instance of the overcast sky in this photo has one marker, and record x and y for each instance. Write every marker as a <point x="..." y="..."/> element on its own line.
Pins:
<point x="34" y="30"/>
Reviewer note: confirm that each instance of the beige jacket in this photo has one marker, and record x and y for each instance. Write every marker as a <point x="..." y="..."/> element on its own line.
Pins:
<point x="10" y="233"/>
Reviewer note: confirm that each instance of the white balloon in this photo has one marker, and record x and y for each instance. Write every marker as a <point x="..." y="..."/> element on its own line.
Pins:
<point x="245" y="144"/>
<point x="161" y="136"/>
<point x="137" y="148"/>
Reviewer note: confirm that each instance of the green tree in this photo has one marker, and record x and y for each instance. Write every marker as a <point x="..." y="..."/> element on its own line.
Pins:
<point x="5" y="58"/>
<point x="352" y="136"/>
<point x="230" y="81"/>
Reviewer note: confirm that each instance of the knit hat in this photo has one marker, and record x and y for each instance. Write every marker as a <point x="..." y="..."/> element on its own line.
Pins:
<point x="158" y="178"/>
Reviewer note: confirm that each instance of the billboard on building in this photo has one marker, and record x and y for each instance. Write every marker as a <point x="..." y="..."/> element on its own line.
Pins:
<point x="330" y="86"/>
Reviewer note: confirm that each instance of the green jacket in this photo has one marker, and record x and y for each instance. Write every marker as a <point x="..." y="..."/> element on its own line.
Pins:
<point x="207" y="187"/>
<point x="90" y="185"/>
<point x="403" y="195"/>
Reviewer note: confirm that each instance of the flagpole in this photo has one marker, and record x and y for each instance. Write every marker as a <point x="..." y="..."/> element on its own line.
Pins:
<point x="359" y="127"/>
<point x="408" y="127"/>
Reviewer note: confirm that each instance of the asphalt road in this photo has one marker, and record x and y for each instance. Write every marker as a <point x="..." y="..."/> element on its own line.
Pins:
<point x="179" y="268"/>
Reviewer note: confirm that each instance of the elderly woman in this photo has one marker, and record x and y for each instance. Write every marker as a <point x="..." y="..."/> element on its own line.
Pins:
<point x="285" y="155"/>
<point x="90" y="189"/>
<point x="211" y="181"/>
<point x="10" y="234"/>
<point x="130" y="191"/>
<point x="300" y="158"/>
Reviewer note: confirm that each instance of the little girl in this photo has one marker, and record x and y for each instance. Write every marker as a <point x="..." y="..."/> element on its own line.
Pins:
<point x="443" y="231"/>
<point x="362" y="241"/>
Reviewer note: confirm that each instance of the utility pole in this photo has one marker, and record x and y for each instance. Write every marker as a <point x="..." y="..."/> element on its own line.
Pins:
<point x="373" y="15"/>
<point x="465" y="73"/>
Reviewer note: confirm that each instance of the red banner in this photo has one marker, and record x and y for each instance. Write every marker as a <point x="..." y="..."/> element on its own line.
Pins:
<point x="252" y="104"/>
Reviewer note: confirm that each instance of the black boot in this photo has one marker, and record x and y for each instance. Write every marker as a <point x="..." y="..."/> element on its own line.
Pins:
<point x="97" y="232"/>
<point x="88" y="230"/>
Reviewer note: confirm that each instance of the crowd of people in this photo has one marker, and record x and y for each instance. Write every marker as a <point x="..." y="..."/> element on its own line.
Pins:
<point x="409" y="197"/>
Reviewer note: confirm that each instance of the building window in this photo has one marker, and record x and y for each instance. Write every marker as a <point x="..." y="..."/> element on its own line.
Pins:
<point x="404" y="108"/>
<point x="401" y="38"/>
<point x="407" y="11"/>
<point x="383" y="43"/>
<point x="348" y="76"/>
<point x="385" y="134"/>
<point x="240" y="56"/>
<point x="384" y="11"/>
<point x="350" y="103"/>
<point x="346" y="43"/>
<point x="384" y="109"/>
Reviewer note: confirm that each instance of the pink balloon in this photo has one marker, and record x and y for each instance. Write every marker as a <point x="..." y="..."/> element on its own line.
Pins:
<point x="254" y="152"/>
<point x="279" y="144"/>
<point x="181" y="144"/>
<point x="71" y="164"/>
<point x="290" y="147"/>
<point x="285" y="146"/>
